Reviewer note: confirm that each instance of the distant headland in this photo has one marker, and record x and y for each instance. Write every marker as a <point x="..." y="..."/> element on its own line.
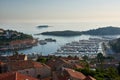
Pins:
<point x="13" y="40"/>
<point x="43" y="26"/>
<point x="100" y="31"/>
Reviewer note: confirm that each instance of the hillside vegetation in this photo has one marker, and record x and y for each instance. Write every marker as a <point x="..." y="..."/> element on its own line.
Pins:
<point x="115" y="45"/>
<point x="100" y="31"/>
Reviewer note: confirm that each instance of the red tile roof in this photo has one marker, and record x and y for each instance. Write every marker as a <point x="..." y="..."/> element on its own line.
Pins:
<point x="15" y="76"/>
<point x="89" y="78"/>
<point x="58" y="76"/>
<point x="57" y="62"/>
<point x="20" y="65"/>
<point x="60" y="61"/>
<point x="17" y="57"/>
<point x="75" y="74"/>
<point x="78" y="66"/>
<point x="49" y="78"/>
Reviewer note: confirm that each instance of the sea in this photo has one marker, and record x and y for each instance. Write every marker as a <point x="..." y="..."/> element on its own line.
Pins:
<point x="51" y="47"/>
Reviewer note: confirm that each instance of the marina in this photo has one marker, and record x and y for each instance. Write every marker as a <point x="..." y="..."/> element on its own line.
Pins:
<point x="89" y="47"/>
<point x="52" y="47"/>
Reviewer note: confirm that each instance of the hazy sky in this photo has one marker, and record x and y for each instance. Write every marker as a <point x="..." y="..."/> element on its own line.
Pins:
<point x="59" y="10"/>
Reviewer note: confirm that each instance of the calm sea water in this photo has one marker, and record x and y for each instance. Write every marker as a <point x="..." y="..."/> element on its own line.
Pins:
<point x="31" y="28"/>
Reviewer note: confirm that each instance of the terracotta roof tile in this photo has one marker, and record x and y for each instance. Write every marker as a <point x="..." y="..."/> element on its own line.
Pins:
<point x="89" y="78"/>
<point x="60" y="61"/>
<point x="75" y="74"/>
<point x="15" y="76"/>
<point x="20" y="65"/>
<point x="17" y="57"/>
<point x="78" y="66"/>
<point x="49" y="78"/>
<point x="58" y="76"/>
<point x="56" y="62"/>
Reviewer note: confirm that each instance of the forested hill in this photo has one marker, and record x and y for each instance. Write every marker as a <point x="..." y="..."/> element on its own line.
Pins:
<point x="10" y="35"/>
<point x="100" y="31"/>
<point x="103" y="31"/>
<point x="62" y="33"/>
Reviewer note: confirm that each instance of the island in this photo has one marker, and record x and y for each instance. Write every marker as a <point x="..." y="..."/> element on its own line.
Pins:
<point x="43" y="42"/>
<point x="13" y="40"/>
<point x="100" y="31"/>
<point x="62" y="33"/>
<point x="43" y="26"/>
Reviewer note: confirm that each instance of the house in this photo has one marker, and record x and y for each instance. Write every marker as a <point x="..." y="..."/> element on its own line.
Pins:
<point x="17" y="57"/>
<point x="59" y="63"/>
<point x="70" y="74"/>
<point x="57" y="76"/>
<point x="89" y="78"/>
<point x="73" y="75"/>
<point x="31" y="68"/>
<point x="77" y="66"/>
<point x="71" y="59"/>
<point x="15" y="76"/>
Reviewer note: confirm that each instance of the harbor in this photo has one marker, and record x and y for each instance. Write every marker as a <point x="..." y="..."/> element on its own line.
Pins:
<point x="89" y="47"/>
<point x="49" y="46"/>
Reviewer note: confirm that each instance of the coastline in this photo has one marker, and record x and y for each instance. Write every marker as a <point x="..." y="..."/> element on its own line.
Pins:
<point x="108" y="30"/>
<point x="19" y="45"/>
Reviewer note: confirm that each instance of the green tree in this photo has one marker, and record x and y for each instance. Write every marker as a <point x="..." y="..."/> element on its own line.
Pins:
<point x="111" y="73"/>
<point x="85" y="57"/>
<point x="15" y="53"/>
<point x="100" y="59"/>
<point x="110" y="58"/>
<point x="42" y="60"/>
